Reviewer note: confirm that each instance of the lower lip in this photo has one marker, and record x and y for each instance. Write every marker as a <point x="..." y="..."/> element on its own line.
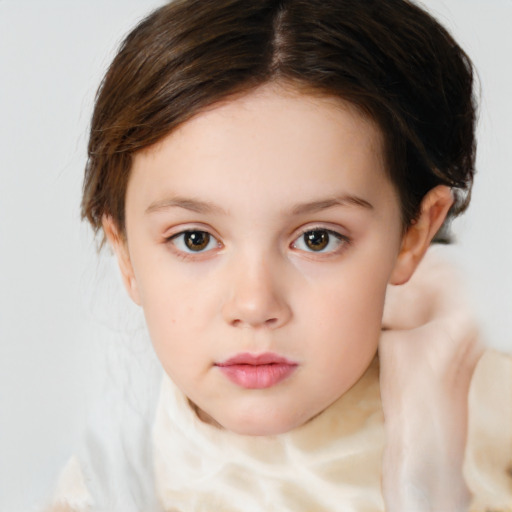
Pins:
<point x="259" y="376"/>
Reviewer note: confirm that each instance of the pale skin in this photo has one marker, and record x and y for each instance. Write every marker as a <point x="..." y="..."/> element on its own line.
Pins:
<point x="258" y="176"/>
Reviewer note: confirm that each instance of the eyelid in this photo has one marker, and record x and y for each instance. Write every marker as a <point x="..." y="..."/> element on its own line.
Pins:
<point x="334" y="229"/>
<point x="187" y="227"/>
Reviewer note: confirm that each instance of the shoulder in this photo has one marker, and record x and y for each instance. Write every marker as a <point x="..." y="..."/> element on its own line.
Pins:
<point x="488" y="466"/>
<point x="71" y="493"/>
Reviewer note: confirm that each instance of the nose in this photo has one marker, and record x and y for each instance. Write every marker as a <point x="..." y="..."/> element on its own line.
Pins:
<point x="257" y="297"/>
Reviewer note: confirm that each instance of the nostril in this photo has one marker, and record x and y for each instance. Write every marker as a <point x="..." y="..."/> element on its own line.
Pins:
<point x="270" y="322"/>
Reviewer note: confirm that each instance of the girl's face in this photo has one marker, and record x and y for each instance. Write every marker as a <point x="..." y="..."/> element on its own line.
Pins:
<point x="261" y="236"/>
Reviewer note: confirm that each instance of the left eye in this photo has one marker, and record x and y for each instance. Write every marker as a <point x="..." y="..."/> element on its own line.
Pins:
<point x="319" y="240"/>
<point x="194" y="241"/>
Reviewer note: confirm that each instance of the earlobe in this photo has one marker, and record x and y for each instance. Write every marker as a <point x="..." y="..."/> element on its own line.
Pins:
<point x="120" y="248"/>
<point x="419" y="235"/>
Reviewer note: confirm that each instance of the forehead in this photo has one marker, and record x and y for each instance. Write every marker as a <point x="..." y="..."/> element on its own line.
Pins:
<point x="293" y="113"/>
<point x="272" y="139"/>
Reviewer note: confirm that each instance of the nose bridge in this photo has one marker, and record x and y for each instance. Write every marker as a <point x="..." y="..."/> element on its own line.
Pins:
<point x="257" y="296"/>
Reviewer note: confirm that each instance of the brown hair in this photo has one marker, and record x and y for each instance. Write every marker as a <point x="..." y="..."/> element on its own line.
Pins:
<point x="389" y="58"/>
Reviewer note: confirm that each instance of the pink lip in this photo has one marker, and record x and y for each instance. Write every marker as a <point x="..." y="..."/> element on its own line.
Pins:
<point x="257" y="371"/>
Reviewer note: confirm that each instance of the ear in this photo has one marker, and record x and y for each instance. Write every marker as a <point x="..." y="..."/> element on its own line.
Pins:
<point x="120" y="247"/>
<point x="417" y="239"/>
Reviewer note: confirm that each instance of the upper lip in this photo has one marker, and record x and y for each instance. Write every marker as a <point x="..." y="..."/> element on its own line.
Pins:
<point x="255" y="359"/>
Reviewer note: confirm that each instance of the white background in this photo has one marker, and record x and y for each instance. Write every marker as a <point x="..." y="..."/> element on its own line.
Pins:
<point x="61" y="305"/>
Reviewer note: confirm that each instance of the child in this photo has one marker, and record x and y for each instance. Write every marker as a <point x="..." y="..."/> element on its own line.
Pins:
<point x="264" y="171"/>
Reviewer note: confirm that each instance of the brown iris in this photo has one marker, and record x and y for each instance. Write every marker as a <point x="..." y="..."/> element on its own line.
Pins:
<point x="316" y="240"/>
<point x="196" y="240"/>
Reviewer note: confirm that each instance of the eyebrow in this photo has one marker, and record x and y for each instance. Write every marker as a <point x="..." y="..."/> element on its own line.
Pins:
<point x="193" y="205"/>
<point x="205" y="207"/>
<point x="324" y="204"/>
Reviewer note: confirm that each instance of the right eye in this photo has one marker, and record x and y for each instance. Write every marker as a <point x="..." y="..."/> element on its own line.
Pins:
<point x="194" y="241"/>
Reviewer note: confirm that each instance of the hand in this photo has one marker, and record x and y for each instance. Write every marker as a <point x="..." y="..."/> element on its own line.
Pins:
<point x="428" y="351"/>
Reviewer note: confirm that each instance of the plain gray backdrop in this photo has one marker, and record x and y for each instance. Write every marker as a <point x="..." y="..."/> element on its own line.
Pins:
<point x="61" y="305"/>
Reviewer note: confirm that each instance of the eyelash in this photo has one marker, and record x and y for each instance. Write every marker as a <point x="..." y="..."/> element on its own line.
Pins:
<point x="178" y="242"/>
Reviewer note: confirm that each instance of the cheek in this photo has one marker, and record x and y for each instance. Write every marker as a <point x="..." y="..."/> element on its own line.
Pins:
<point x="345" y="313"/>
<point x="348" y="324"/>
<point x="178" y="310"/>
<point x="345" y="343"/>
<point x="353" y="295"/>
<point x="170" y="313"/>
<point x="169" y="291"/>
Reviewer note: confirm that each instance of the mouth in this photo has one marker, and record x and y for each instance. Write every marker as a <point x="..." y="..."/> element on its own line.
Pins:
<point x="257" y="371"/>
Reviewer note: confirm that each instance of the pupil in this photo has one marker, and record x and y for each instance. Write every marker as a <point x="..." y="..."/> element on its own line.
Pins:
<point x="316" y="240"/>
<point x="197" y="240"/>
